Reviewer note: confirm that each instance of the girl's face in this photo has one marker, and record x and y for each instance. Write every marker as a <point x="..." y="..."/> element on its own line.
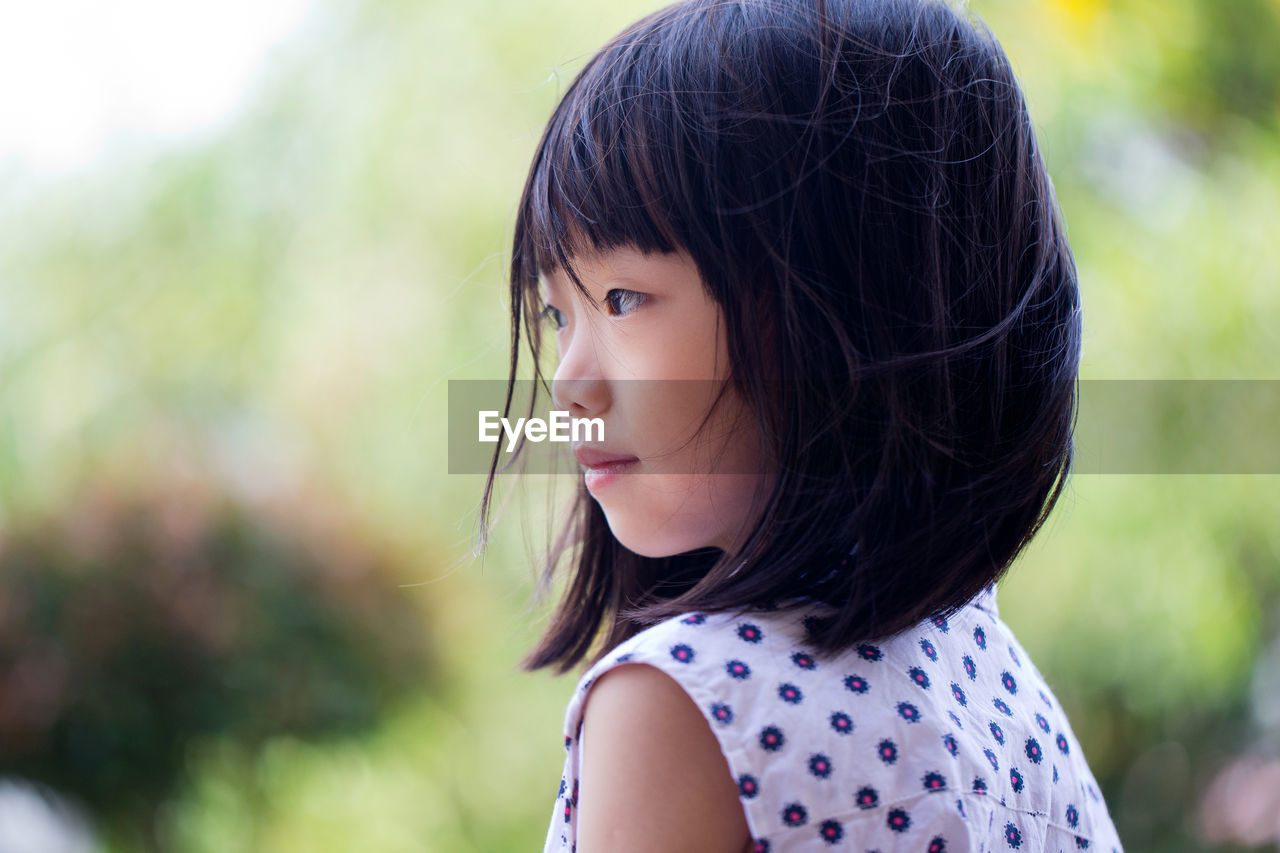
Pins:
<point x="647" y="361"/>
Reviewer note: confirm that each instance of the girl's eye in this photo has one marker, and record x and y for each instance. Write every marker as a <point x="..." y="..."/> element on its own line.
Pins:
<point x="552" y="313"/>
<point x="623" y="301"/>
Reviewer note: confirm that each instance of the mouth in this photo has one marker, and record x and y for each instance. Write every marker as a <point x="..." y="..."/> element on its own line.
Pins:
<point x="603" y="467"/>
<point x="603" y="461"/>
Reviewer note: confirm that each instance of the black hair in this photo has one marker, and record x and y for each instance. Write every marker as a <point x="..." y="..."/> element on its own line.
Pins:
<point x="861" y="189"/>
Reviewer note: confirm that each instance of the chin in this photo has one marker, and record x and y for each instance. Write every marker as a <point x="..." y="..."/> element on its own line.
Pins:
<point x="648" y="546"/>
<point x="654" y="543"/>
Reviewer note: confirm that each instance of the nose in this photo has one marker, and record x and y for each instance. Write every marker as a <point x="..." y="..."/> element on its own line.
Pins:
<point x="578" y="385"/>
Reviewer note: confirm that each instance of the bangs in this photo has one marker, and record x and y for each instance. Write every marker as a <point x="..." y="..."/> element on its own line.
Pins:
<point x="860" y="187"/>
<point x="608" y="169"/>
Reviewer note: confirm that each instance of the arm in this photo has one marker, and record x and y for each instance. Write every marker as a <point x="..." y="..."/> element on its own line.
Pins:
<point x="654" y="777"/>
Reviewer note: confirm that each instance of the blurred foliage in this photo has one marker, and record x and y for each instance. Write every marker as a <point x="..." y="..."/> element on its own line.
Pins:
<point x="286" y="299"/>
<point x="1224" y="65"/>
<point x="132" y="626"/>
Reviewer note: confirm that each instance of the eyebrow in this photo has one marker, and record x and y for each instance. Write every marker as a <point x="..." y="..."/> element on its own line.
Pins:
<point x="550" y="285"/>
<point x="544" y="288"/>
<point x="548" y="279"/>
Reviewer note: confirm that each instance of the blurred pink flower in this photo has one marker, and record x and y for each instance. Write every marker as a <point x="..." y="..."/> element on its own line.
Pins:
<point x="1242" y="803"/>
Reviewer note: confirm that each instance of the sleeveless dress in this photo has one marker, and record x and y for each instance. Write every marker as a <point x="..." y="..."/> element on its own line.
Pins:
<point x="943" y="738"/>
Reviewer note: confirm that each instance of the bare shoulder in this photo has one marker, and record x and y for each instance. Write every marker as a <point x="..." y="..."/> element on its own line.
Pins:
<point x="653" y="775"/>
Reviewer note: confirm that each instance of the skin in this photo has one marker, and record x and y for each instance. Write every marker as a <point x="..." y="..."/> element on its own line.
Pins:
<point x="655" y="321"/>
<point x="654" y="776"/>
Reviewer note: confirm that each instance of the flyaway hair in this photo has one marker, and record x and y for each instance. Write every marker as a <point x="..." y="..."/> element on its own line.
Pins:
<point x="860" y="186"/>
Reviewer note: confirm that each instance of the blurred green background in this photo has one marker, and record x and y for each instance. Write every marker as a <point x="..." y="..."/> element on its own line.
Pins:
<point x="239" y="607"/>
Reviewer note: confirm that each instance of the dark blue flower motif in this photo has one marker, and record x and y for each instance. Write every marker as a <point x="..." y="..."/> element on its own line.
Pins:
<point x="856" y="683"/>
<point x="820" y="765"/>
<point x="722" y="713"/>
<point x="1082" y="843"/>
<point x="790" y="693"/>
<point x="1002" y="707"/>
<point x="959" y="694"/>
<point x="1014" y="656"/>
<point x="867" y="798"/>
<point x="694" y="619"/>
<point x="955" y="719"/>
<point x="814" y="624"/>
<point x="929" y="651"/>
<point x="762" y="846"/>
<point x="939" y="844"/>
<point x="1007" y="680"/>
<point x="997" y="732"/>
<point x="831" y="831"/>
<point x="1073" y="816"/>
<point x="960" y="808"/>
<point x="1044" y="697"/>
<point x="841" y="723"/>
<point x="969" y="669"/>
<point x="908" y="712"/>
<point x="980" y="636"/>
<point x="949" y="741"/>
<point x="794" y="815"/>
<point x="1015" y="779"/>
<point x="567" y="740"/>
<point x="1062" y="743"/>
<point x="866" y="651"/>
<point x="682" y="653"/>
<point x="738" y="669"/>
<point x="561" y="794"/>
<point x="1012" y="835"/>
<point x="771" y="738"/>
<point x="941" y="624"/>
<point x="803" y="660"/>
<point x="979" y="785"/>
<point x="899" y="820"/>
<point x="919" y="677"/>
<point x="622" y="658"/>
<point x="750" y="633"/>
<point x="888" y="751"/>
<point x="1033" y="750"/>
<point x="934" y="781"/>
<point x="1042" y="723"/>
<point x="748" y="786"/>
<point x="1055" y="774"/>
<point x="991" y="757"/>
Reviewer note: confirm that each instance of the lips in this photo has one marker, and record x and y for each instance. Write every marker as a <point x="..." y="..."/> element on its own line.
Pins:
<point x="591" y="458"/>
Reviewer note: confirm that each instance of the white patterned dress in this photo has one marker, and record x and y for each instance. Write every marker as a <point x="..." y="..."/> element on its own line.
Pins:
<point x="943" y="738"/>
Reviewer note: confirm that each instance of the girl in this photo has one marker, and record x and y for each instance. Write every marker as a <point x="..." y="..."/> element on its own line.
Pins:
<point x="802" y="260"/>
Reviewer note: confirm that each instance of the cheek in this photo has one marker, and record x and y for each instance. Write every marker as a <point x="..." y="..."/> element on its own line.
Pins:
<point x="690" y="344"/>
